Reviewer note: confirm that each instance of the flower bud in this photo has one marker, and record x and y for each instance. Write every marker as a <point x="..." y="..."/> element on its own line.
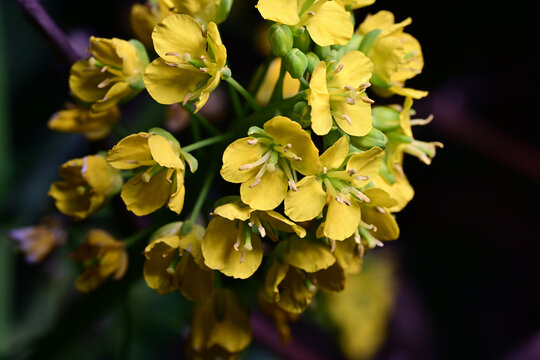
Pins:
<point x="302" y="41"/>
<point x="373" y="138"/>
<point x="296" y="63"/>
<point x="313" y="60"/>
<point x="281" y="39"/>
<point x="301" y="114"/>
<point x="385" y="118"/>
<point x="323" y="52"/>
<point x="223" y="11"/>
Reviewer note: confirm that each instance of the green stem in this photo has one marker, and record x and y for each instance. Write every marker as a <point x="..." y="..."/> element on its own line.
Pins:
<point x="244" y="93"/>
<point x="236" y="102"/>
<point x="202" y="195"/>
<point x="206" y="142"/>
<point x="135" y="238"/>
<point x="304" y="82"/>
<point x="201" y="120"/>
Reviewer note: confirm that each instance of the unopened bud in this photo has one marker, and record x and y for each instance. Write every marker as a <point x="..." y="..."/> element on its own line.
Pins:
<point x="301" y="114"/>
<point x="302" y="41"/>
<point x="281" y="39"/>
<point x="385" y="118"/>
<point x="313" y="61"/>
<point x="375" y="137"/>
<point x="296" y="63"/>
<point x="223" y="10"/>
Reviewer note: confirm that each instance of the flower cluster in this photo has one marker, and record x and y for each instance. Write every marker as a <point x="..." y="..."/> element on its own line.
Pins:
<point x="319" y="165"/>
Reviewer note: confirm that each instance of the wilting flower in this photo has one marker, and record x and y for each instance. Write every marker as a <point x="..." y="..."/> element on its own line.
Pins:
<point x="264" y="162"/>
<point x="160" y="180"/>
<point x="327" y="22"/>
<point x="86" y="184"/>
<point x="397" y="56"/>
<point x="81" y="119"/>
<point x="103" y="257"/>
<point x="232" y="242"/>
<point x="113" y="73"/>
<point x="174" y="262"/>
<point x="191" y="61"/>
<point x="289" y="280"/>
<point x="220" y="328"/>
<point x="38" y="241"/>
<point x="336" y="187"/>
<point x="339" y="94"/>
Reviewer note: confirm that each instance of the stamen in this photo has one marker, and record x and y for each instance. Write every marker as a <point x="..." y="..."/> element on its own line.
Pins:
<point x="131" y="162"/>
<point x="173" y="53"/>
<point x="399" y="169"/>
<point x="104" y="83"/>
<point x="332" y="246"/>
<point x="367" y="100"/>
<point x="364" y="86"/>
<point x="312" y="13"/>
<point x="259" y="176"/>
<point x="380" y="209"/>
<point x="339" y="68"/>
<point x="203" y="70"/>
<point x="361" y="177"/>
<point x="297" y="158"/>
<point x="362" y="196"/>
<point x="339" y="199"/>
<point x="171" y="64"/>
<point x="292" y="185"/>
<point x="253" y="141"/>
<point x="186" y="99"/>
<point x="324" y="170"/>
<point x="425" y="121"/>
<point x="203" y="30"/>
<point x="351" y="171"/>
<point x="347" y="117"/>
<point x="105" y="68"/>
<point x="287" y="147"/>
<point x="348" y="87"/>
<point x="256" y="182"/>
<point x="242" y="256"/>
<point x="262" y="160"/>
<point x="347" y="202"/>
<point x="350" y="101"/>
<point x="357" y="237"/>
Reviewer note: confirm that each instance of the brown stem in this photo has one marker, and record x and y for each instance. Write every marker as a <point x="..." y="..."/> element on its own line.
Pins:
<point x="46" y="25"/>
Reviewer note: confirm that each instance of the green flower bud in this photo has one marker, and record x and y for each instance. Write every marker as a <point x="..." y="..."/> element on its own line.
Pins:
<point x="302" y="41"/>
<point x="396" y="137"/>
<point x="385" y="118"/>
<point x="374" y="138"/>
<point x="323" y="52"/>
<point x="223" y="11"/>
<point x="368" y="40"/>
<point x="354" y="43"/>
<point x="281" y="39"/>
<point x="296" y="63"/>
<point x="313" y="60"/>
<point x="301" y="114"/>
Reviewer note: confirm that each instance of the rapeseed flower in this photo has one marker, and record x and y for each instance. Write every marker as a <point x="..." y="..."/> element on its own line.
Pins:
<point x="38" y="241"/>
<point x="81" y="119"/>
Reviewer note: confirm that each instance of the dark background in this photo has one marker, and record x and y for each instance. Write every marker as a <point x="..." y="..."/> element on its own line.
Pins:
<point x="469" y="249"/>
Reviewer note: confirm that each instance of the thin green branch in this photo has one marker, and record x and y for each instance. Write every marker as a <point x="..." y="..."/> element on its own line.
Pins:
<point x="244" y="93"/>
<point x="207" y="142"/>
<point x="201" y="120"/>
<point x="202" y="194"/>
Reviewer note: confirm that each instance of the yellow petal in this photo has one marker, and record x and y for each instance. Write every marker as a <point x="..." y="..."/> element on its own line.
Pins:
<point x="176" y="202"/>
<point x="295" y="295"/>
<point x="163" y="153"/>
<point x="268" y="194"/>
<point x="366" y="164"/>
<point x="359" y="114"/>
<point x="319" y="100"/>
<point x="117" y="92"/>
<point x="356" y="69"/>
<point x="341" y="219"/>
<point x="401" y="191"/>
<point x="218" y="250"/>
<point x="274" y="276"/>
<point x="234" y="210"/>
<point x="211" y="84"/>
<point x="194" y="282"/>
<point x="84" y="80"/>
<point x="237" y="154"/>
<point x="280" y="222"/>
<point x="379" y="197"/>
<point x="105" y="51"/>
<point x="142" y="22"/>
<point x="143" y="198"/>
<point x="285" y="131"/>
<point x="290" y="85"/>
<point x="281" y="11"/>
<point x="169" y="85"/>
<point x="203" y="11"/>
<point x="415" y="94"/>
<point x="99" y="175"/>
<point x="405" y="117"/>
<point x="308" y="255"/>
<point x="387" y="227"/>
<point x="181" y="34"/>
<point x="331" y="25"/>
<point x="131" y="152"/>
<point x="335" y="155"/>
<point x="192" y="244"/>
<point x="158" y="258"/>
<point x="331" y="279"/>
<point x="306" y="203"/>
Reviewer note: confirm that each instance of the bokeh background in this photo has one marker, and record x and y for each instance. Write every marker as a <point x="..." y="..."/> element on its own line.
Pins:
<point x="464" y="279"/>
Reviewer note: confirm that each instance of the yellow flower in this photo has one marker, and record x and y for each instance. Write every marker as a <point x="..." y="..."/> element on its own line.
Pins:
<point x="220" y="328"/>
<point x="231" y="244"/>
<point x="326" y="21"/>
<point x="264" y="162"/>
<point x="113" y="73"/>
<point x="174" y="262"/>
<point x="397" y="56"/>
<point x="190" y="64"/>
<point x="288" y="282"/>
<point x="336" y="188"/>
<point x="103" y="257"/>
<point x="38" y="241"/>
<point x="290" y="85"/>
<point x="339" y="94"/>
<point x="86" y="184"/>
<point x="144" y="17"/>
<point x="160" y="180"/>
<point x="81" y="119"/>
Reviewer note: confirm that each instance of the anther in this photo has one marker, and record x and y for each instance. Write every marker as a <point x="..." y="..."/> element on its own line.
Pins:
<point x="262" y="231"/>
<point x="186" y="99"/>
<point x="242" y="256"/>
<point x="171" y="64"/>
<point x="312" y="13"/>
<point x="172" y="53"/>
<point x="131" y="162"/>
<point x="339" y="68"/>
<point x="361" y="177"/>
<point x="347" y="202"/>
<point x="287" y="147"/>
<point x="105" y="68"/>
<point x="324" y="170"/>
<point x="362" y="197"/>
<point x="203" y="30"/>
<point x="253" y="141"/>
<point x="350" y="101"/>
<point x="245" y="167"/>
<point x="168" y="180"/>
<point x="203" y="70"/>
<point x="292" y="185"/>
<point x="347" y="117"/>
<point x="339" y="199"/>
<point x="297" y="158"/>
<point x="366" y="100"/>
<point x="332" y="246"/>
<point x="348" y="87"/>
<point x="104" y="83"/>
<point x="364" y="86"/>
<point x="422" y="121"/>
<point x="380" y="210"/>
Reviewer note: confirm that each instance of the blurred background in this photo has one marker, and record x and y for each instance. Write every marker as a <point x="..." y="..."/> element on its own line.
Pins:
<point x="462" y="280"/>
